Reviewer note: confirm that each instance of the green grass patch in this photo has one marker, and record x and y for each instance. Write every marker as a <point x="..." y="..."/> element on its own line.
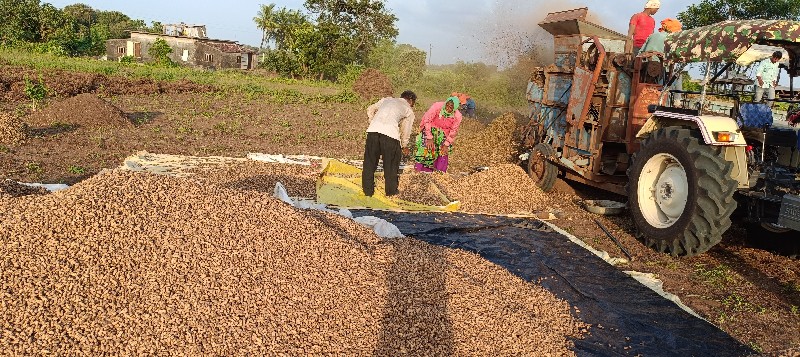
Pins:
<point x="495" y="91"/>
<point x="719" y="276"/>
<point x="76" y="170"/>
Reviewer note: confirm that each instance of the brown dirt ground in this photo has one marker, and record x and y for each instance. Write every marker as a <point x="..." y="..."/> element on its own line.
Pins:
<point x="66" y="84"/>
<point x="752" y="294"/>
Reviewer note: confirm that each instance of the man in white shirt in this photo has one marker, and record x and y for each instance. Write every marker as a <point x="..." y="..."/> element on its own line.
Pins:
<point x="390" y="123"/>
<point x="767" y="78"/>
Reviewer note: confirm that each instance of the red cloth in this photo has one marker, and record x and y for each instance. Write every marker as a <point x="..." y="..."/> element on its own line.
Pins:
<point x="643" y="27"/>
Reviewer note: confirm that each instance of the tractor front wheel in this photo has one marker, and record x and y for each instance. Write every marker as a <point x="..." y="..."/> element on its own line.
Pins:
<point x="542" y="171"/>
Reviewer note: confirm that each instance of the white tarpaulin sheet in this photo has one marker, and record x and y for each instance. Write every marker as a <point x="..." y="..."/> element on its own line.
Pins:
<point x="52" y="187"/>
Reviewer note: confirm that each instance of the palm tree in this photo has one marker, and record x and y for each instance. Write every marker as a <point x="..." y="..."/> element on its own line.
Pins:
<point x="266" y="22"/>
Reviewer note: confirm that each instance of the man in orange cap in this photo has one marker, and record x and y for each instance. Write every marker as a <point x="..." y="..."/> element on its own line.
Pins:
<point x="655" y="43"/>
<point x="462" y="97"/>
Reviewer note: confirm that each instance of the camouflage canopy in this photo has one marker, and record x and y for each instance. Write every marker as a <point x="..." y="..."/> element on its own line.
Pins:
<point x="727" y="40"/>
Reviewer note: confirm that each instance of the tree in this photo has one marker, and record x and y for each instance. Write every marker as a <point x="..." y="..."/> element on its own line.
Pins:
<point x="287" y="22"/>
<point x="117" y="24"/>
<point x="343" y="33"/>
<point x="403" y="63"/>
<point x="19" y="21"/>
<point x="265" y="21"/>
<point x="366" y="22"/>
<point x="155" y="27"/>
<point x="708" y="12"/>
<point x="51" y="23"/>
<point x="84" y="15"/>
<point x="160" y="52"/>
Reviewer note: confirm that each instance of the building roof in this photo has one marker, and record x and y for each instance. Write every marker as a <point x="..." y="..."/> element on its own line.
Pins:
<point x="186" y="37"/>
<point x="228" y="47"/>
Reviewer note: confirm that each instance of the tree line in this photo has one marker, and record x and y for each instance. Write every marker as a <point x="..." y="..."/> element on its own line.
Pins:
<point x="331" y="38"/>
<point x="75" y="30"/>
<point x="326" y="39"/>
<point x="708" y="12"/>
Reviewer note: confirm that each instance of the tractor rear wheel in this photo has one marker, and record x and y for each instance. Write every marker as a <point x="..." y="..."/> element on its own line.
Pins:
<point x="542" y="171"/>
<point x="680" y="192"/>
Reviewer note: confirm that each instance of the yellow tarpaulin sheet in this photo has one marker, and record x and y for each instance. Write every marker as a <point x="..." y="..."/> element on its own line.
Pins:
<point x="339" y="185"/>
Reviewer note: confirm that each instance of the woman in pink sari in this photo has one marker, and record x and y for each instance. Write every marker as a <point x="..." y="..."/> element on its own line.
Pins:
<point x="438" y="130"/>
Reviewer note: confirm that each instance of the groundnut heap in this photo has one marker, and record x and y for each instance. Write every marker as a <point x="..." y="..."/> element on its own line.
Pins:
<point x="133" y="263"/>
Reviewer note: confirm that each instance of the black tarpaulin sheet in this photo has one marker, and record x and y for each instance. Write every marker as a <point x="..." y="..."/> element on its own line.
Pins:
<point x="635" y="320"/>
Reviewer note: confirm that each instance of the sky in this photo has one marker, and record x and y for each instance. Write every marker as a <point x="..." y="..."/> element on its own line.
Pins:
<point x="450" y="30"/>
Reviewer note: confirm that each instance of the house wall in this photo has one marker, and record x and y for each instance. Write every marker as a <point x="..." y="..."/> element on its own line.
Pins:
<point x="185" y="51"/>
<point x="178" y="45"/>
<point x="111" y="49"/>
<point x="220" y="60"/>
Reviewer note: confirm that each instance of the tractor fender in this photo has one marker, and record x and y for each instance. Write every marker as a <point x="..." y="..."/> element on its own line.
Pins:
<point x="708" y="125"/>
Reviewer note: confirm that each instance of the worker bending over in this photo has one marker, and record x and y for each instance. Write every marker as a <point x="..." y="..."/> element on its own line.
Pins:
<point x="390" y="124"/>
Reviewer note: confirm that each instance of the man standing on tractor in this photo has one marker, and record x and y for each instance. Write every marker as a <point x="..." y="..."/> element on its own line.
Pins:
<point x="767" y="78"/>
<point x="656" y="43"/>
<point x="641" y="26"/>
<point x="391" y="121"/>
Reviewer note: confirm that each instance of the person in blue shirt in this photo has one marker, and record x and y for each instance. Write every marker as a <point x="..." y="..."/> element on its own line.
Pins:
<point x="767" y="78"/>
<point x="469" y="108"/>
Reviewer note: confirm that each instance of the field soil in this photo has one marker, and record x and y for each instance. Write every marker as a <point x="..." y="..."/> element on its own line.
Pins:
<point x="94" y="122"/>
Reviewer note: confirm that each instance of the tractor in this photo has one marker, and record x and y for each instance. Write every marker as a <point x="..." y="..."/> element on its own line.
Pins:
<point x="685" y="159"/>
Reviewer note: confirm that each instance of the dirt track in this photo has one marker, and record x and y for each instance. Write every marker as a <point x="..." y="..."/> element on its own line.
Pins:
<point x="752" y="294"/>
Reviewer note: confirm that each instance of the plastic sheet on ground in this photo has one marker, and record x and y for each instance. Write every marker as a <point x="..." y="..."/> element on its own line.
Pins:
<point x="52" y="187"/>
<point x="380" y="226"/>
<point x="646" y="279"/>
<point x="172" y="165"/>
<point x="285" y="159"/>
<point x="340" y="185"/>
<point x="627" y="317"/>
<point x="307" y="160"/>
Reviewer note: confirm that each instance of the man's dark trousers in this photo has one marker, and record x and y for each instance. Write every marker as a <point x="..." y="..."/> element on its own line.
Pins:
<point x="379" y="145"/>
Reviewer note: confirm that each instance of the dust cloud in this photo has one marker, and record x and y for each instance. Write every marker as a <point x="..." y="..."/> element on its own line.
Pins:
<point x="509" y="34"/>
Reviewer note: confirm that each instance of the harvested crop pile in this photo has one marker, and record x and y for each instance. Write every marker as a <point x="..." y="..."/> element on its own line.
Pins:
<point x="84" y="109"/>
<point x="12" y="130"/>
<point x="134" y="263"/>
<point x="373" y="84"/>
<point x="425" y="188"/>
<point x="492" y="145"/>
<point x="299" y="180"/>
<point x="502" y="189"/>
<point x="10" y="188"/>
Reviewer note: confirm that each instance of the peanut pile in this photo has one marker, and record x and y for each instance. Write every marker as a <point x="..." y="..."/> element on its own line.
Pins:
<point x="489" y="146"/>
<point x="502" y="189"/>
<point x="12" y="129"/>
<point x="128" y="263"/>
<point x="299" y="180"/>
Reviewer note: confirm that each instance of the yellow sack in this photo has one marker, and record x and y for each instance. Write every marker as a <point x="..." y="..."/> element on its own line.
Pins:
<point x="339" y="185"/>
